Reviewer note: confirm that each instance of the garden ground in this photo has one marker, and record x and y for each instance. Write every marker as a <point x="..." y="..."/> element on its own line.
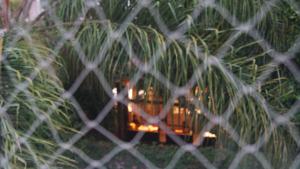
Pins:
<point x="160" y="155"/>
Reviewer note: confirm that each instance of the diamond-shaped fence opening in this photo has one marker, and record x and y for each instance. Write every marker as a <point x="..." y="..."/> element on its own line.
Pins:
<point x="150" y="84"/>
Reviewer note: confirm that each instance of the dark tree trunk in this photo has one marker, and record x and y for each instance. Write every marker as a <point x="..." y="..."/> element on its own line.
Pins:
<point x="123" y="120"/>
<point x="122" y="116"/>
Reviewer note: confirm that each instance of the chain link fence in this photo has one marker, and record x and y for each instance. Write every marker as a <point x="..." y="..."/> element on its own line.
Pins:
<point x="46" y="64"/>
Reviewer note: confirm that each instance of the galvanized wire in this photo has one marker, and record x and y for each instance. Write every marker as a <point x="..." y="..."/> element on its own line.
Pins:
<point x="247" y="27"/>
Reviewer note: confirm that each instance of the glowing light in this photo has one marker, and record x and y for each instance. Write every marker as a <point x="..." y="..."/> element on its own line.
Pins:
<point x="149" y="128"/>
<point x="115" y="91"/>
<point x="141" y="93"/>
<point x="209" y="135"/>
<point x="198" y="111"/>
<point x="175" y="110"/>
<point x="130" y="107"/>
<point x="130" y="93"/>
<point x="132" y="125"/>
<point x="178" y="131"/>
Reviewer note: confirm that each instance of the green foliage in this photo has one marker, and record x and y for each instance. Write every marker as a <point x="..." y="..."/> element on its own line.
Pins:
<point x="179" y="61"/>
<point x="280" y="20"/>
<point x="40" y="99"/>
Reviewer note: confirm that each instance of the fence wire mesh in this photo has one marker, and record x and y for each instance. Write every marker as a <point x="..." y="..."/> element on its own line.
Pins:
<point x="69" y="35"/>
